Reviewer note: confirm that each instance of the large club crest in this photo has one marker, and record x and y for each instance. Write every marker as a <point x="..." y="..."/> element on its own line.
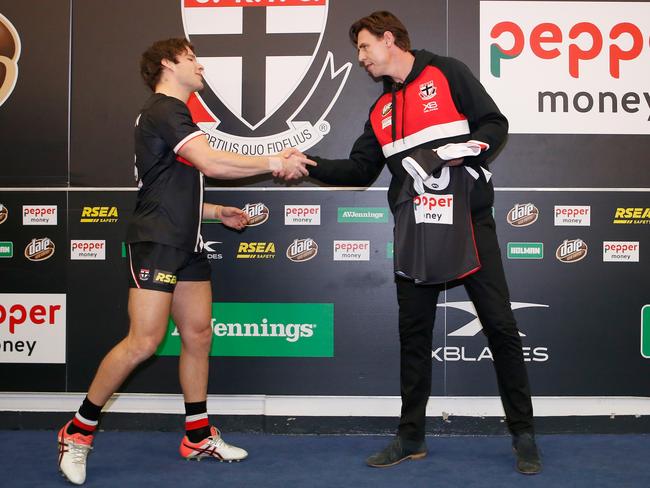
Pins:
<point x="256" y="53"/>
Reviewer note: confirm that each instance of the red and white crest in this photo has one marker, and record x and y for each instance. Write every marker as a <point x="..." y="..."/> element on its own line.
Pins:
<point x="255" y="52"/>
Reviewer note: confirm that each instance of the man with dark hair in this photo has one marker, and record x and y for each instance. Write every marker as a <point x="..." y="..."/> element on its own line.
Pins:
<point x="168" y="268"/>
<point x="430" y="101"/>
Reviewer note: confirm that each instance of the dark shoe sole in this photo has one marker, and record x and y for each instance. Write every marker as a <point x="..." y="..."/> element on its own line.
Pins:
<point x="413" y="457"/>
<point x="527" y="473"/>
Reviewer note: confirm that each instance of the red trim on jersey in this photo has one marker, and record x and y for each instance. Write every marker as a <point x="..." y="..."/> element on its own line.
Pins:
<point x="198" y="110"/>
<point x="475" y="251"/>
<point x="181" y="159"/>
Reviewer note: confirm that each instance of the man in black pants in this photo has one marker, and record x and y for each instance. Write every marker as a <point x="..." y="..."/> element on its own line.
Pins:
<point x="429" y="101"/>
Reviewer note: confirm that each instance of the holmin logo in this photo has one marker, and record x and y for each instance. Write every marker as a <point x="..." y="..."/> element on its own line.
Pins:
<point x="265" y="329"/>
<point x="594" y="56"/>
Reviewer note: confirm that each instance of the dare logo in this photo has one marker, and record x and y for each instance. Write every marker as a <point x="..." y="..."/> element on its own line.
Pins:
<point x="9" y="54"/>
<point x="258" y="213"/>
<point x="4" y="213"/>
<point x="39" y="249"/>
<point x="301" y="250"/>
<point x="522" y="215"/>
<point x="571" y="251"/>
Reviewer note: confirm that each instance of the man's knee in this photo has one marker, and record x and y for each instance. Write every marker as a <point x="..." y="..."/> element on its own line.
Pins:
<point x="140" y="349"/>
<point x="197" y="337"/>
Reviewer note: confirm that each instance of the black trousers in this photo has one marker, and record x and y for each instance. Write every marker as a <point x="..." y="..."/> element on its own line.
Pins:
<point x="488" y="291"/>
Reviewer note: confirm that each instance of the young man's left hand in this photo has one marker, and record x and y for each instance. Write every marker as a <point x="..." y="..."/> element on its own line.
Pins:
<point x="233" y="217"/>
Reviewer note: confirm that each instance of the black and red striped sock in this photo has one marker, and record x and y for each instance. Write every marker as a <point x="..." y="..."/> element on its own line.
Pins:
<point x="197" y="426"/>
<point x="86" y="419"/>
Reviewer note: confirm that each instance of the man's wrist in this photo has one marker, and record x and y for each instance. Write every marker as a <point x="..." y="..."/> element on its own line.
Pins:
<point x="217" y="212"/>
<point x="275" y="163"/>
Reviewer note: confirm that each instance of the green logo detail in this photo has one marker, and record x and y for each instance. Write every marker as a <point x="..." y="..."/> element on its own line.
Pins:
<point x="645" y="331"/>
<point x="123" y="249"/>
<point x="525" y="250"/>
<point x="265" y="329"/>
<point x="6" y="249"/>
<point x="390" y="250"/>
<point x="363" y="215"/>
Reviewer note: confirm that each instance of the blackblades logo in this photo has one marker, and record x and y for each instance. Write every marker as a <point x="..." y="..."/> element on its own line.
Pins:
<point x="99" y="215"/>
<point x="302" y="250"/>
<point x="258" y="213"/>
<point x="39" y="249"/>
<point x="427" y="90"/>
<point x="4" y="213"/>
<point x="275" y="94"/>
<point x="256" y="250"/>
<point x="473" y="327"/>
<point x="571" y="251"/>
<point x="522" y="214"/>
<point x="9" y="54"/>
<point x="632" y="215"/>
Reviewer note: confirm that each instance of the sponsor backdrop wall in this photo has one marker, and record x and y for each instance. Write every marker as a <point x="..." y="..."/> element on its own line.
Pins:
<point x="304" y="297"/>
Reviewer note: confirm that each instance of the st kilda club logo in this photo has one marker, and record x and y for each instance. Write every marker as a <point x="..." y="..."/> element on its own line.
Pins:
<point x="267" y="84"/>
<point x="9" y="54"/>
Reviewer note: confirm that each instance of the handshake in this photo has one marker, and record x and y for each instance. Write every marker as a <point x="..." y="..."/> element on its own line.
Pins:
<point x="290" y="164"/>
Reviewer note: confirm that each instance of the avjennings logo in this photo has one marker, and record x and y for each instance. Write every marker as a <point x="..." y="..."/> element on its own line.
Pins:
<point x="9" y="54"/>
<point x="301" y="250"/>
<point x="522" y="214"/>
<point x="258" y="213"/>
<point x="571" y="250"/>
<point x="268" y="47"/>
<point x="465" y="353"/>
<point x="354" y="215"/>
<point x="594" y="56"/>
<point x="39" y="249"/>
<point x="265" y="329"/>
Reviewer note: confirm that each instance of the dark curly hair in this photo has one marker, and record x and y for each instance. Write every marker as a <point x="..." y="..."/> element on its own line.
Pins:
<point x="150" y="63"/>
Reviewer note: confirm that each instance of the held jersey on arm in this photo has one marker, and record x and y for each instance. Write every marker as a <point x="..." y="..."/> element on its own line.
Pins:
<point x="170" y="197"/>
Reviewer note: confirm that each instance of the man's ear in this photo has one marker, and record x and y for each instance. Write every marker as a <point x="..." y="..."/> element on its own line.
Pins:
<point x="166" y="63"/>
<point x="389" y="38"/>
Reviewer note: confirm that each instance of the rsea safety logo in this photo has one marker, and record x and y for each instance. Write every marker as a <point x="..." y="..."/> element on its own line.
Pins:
<point x="280" y="86"/>
<point x="621" y="251"/>
<point x="522" y="215"/>
<point x="645" y="331"/>
<point x="571" y="251"/>
<point x="579" y="215"/>
<point x="39" y="215"/>
<point x="373" y="215"/>
<point x="470" y="352"/>
<point x="256" y="250"/>
<point x="301" y="250"/>
<point x="632" y="215"/>
<point x="265" y="329"/>
<point x="102" y="215"/>
<point x="4" y="213"/>
<point x="32" y="328"/>
<point x="6" y="249"/>
<point x="594" y="60"/>
<point x="525" y="250"/>
<point x="40" y="249"/>
<point x="258" y="213"/>
<point x="302" y="215"/>
<point x="351" y="250"/>
<point x="9" y="55"/>
<point x="88" y="250"/>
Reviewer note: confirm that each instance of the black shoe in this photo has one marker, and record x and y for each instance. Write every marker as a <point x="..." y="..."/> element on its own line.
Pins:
<point x="528" y="460"/>
<point x="396" y="452"/>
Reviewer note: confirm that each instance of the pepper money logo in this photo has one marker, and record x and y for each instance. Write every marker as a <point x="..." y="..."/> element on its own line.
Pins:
<point x="279" y="89"/>
<point x="9" y="54"/>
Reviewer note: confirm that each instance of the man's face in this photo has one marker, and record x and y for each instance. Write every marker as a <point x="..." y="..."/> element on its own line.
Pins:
<point x="373" y="53"/>
<point x="189" y="72"/>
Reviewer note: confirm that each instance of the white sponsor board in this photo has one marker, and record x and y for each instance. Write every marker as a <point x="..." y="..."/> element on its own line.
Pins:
<point x="579" y="215"/>
<point x="302" y="215"/>
<point x="351" y="250"/>
<point x="434" y="209"/>
<point x="88" y="250"/>
<point x="568" y="67"/>
<point x="621" y="251"/>
<point x="39" y="215"/>
<point x="32" y="328"/>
